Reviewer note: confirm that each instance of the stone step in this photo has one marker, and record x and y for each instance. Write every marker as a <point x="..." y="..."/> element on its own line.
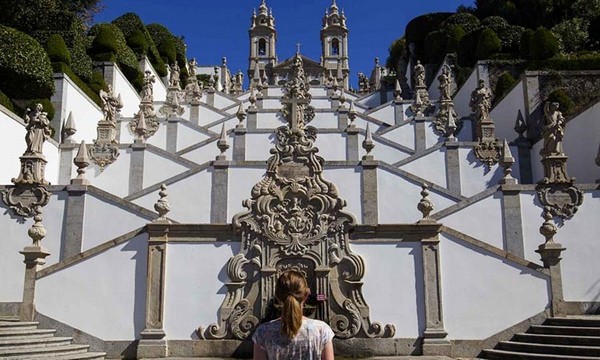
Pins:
<point x="35" y="342"/>
<point x="557" y="339"/>
<point x="26" y="333"/>
<point x="83" y="356"/>
<point x="496" y="354"/>
<point x="49" y="352"/>
<point x="9" y="325"/>
<point x="549" y="349"/>
<point x="582" y="321"/>
<point x="564" y="330"/>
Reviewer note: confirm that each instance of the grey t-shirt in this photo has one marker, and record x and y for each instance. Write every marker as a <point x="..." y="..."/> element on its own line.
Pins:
<point x="307" y="345"/>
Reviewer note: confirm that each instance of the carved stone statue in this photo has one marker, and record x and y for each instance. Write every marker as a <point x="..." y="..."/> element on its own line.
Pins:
<point x="238" y="83"/>
<point x="553" y="130"/>
<point x="110" y="105"/>
<point x="363" y="83"/>
<point x="481" y="102"/>
<point x="445" y="87"/>
<point x="38" y="129"/>
<point x="148" y="88"/>
<point x="175" y="73"/>
<point x="419" y="75"/>
<point x="192" y="64"/>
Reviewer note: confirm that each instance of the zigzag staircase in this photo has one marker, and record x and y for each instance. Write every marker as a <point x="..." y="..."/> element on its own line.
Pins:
<point x="558" y="338"/>
<point x="23" y="340"/>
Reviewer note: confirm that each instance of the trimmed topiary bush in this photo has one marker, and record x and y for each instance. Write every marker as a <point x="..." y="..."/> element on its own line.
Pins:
<point x="488" y="44"/>
<point x="543" y="45"/>
<point x="24" y="65"/>
<point x="435" y="47"/>
<point x="525" y="43"/>
<point x="138" y="44"/>
<point x="46" y="103"/>
<point x="466" y="49"/>
<point x="5" y="101"/>
<point x="57" y="50"/>
<point x="509" y="35"/>
<point x="572" y="35"/>
<point x="104" y="46"/>
<point x="468" y="22"/>
<point x="506" y="82"/>
<point x="560" y="96"/>
<point x="418" y="29"/>
<point x="455" y="34"/>
<point x="165" y="42"/>
<point x="97" y="82"/>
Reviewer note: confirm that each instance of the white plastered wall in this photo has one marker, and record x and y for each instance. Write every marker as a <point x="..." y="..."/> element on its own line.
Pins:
<point x="222" y="101"/>
<point x="348" y="181"/>
<point x="399" y="266"/>
<point x="258" y="145"/>
<point x="371" y="101"/>
<point x="131" y="98"/>
<point x="327" y="120"/>
<point x="531" y="215"/>
<point x="331" y="147"/>
<point x="203" y="266"/>
<point x="582" y="144"/>
<point x="403" y="135"/>
<point x="114" y="178"/>
<point x="483" y="293"/>
<point x="103" y="296"/>
<point x="481" y="220"/>
<point x="99" y="213"/>
<point x="269" y="120"/>
<point x="186" y="136"/>
<point x="475" y="176"/>
<point x="383" y="152"/>
<point x="159" y="139"/>
<point x="385" y="114"/>
<point x="86" y="113"/>
<point x="398" y="199"/>
<point x="158" y="169"/>
<point x="207" y="116"/>
<point x="190" y="198"/>
<point x="463" y="96"/>
<point x="506" y="112"/>
<point x="430" y="167"/>
<point x="241" y="182"/>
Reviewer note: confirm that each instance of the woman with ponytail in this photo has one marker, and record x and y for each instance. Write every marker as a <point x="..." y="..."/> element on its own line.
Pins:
<point x="293" y="336"/>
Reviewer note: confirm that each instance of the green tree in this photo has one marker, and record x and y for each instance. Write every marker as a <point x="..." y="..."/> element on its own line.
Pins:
<point x="572" y="34"/>
<point x="396" y="51"/>
<point x="487" y="45"/>
<point x="543" y="45"/>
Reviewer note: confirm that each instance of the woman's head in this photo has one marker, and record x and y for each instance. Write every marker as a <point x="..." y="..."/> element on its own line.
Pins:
<point x="291" y="291"/>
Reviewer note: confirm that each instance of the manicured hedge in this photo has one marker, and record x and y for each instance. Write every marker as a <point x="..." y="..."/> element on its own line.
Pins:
<point x="543" y="45"/>
<point x="488" y="44"/>
<point x="165" y="42"/>
<point x="5" y="101"/>
<point x="560" y="96"/>
<point x="57" y="50"/>
<point x="60" y="67"/>
<point x="435" y="47"/>
<point x="418" y="29"/>
<point x="468" y="22"/>
<point x="504" y="85"/>
<point x="24" y="65"/>
<point x="109" y="45"/>
<point x="140" y="41"/>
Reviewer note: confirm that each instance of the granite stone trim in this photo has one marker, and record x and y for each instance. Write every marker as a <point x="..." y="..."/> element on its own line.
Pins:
<point x="582" y="307"/>
<point x="174" y="179"/>
<point x="419" y="155"/>
<point x="123" y="202"/>
<point x="74" y="221"/>
<point x="525" y="166"/>
<point x="472" y="348"/>
<point x="136" y="168"/>
<point x="419" y="181"/>
<point x="465" y="202"/>
<point x="380" y="139"/>
<point x="219" y="192"/>
<point x="10" y="310"/>
<point x="377" y="108"/>
<point x="197" y="145"/>
<point x="170" y="156"/>
<point x="453" y="177"/>
<point x="172" y="125"/>
<point x="66" y="164"/>
<point x="369" y="195"/>
<point x="352" y="145"/>
<point x="494" y="250"/>
<point x="393" y="233"/>
<point x="199" y="128"/>
<point x="239" y="144"/>
<point x="193" y="233"/>
<point x="394" y="127"/>
<point x="195" y="114"/>
<point x="512" y="223"/>
<point x="52" y="269"/>
<point x="420" y="134"/>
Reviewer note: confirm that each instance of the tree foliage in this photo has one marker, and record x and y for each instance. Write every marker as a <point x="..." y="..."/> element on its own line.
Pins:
<point x="543" y="45"/>
<point x="488" y="44"/>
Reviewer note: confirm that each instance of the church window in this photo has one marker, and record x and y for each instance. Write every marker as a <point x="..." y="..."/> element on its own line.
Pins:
<point x="262" y="47"/>
<point x="335" y="47"/>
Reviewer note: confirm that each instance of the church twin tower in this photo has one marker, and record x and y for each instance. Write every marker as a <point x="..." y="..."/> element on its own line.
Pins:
<point x="264" y="67"/>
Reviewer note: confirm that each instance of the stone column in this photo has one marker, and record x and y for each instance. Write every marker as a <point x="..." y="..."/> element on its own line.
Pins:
<point x="550" y="253"/>
<point x="75" y="211"/>
<point x="34" y="257"/>
<point x="434" y="336"/>
<point x="195" y="113"/>
<point x="398" y="112"/>
<point x="342" y="118"/>
<point x="172" y="125"/>
<point x="136" y="167"/>
<point x="513" y="227"/>
<point x="420" y="140"/>
<point x="66" y="163"/>
<point x="220" y="183"/>
<point x="210" y="97"/>
<point x="352" y="152"/>
<point x="251" y="119"/>
<point x="370" y="207"/>
<point x="239" y="143"/>
<point x="453" y="166"/>
<point x="152" y="342"/>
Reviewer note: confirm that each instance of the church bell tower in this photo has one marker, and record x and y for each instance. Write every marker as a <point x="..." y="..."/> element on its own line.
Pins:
<point x="263" y="38"/>
<point x="334" y="45"/>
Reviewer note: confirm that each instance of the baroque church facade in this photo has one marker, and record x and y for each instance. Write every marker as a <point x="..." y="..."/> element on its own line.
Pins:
<point x="433" y="221"/>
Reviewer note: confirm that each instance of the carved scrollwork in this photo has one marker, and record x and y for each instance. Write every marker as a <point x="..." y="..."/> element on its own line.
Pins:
<point x="25" y="199"/>
<point x="346" y="326"/>
<point x="488" y="151"/>
<point x="561" y="199"/>
<point x="242" y="320"/>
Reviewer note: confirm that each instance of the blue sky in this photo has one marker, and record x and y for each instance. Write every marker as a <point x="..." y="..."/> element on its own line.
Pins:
<point x="218" y="28"/>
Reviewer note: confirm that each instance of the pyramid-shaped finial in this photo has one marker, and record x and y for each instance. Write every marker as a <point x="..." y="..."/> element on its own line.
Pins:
<point x="82" y="161"/>
<point x="222" y="144"/>
<point x="368" y="144"/>
<point x="398" y="90"/>
<point x="69" y="129"/>
<point x="241" y="115"/>
<point x="520" y="125"/>
<point x="141" y="130"/>
<point x="352" y="113"/>
<point x="507" y="161"/>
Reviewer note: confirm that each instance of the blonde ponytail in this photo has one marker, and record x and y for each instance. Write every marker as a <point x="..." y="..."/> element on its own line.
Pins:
<point x="291" y="290"/>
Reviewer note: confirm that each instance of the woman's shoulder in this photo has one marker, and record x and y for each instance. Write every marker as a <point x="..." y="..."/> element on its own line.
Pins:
<point x="318" y="323"/>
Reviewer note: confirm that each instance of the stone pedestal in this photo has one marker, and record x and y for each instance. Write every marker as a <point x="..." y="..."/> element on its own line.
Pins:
<point x="550" y="253"/>
<point x="219" y="193"/>
<point x="239" y="143"/>
<point x="453" y="166"/>
<point x="342" y="118"/>
<point x="34" y="257"/>
<point x="370" y="206"/>
<point x="420" y="135"/>
<point x="136" y="166"/>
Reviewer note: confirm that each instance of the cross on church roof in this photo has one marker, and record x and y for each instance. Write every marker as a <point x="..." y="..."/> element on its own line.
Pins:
<point x="298" y="48"/>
